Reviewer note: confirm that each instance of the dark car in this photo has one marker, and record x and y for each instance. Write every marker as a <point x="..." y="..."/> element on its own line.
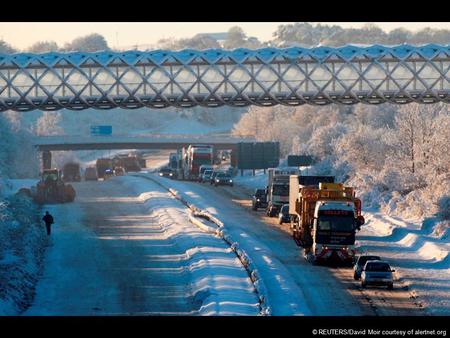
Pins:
<point x="259" y="199"/>
<point x="283" y="215"/>
<point x="360" y="262"/>
<point x="223" y="179"/>
<point x="377" y="272"/>
<point x="166" y="172"/>
<point x="206" y="176"/>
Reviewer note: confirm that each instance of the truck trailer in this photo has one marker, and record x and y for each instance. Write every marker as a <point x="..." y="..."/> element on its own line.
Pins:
<point x="193" y="157"/>
<point x="71" y="172"/>
<point x="102" y="165"/>
<point x="324" y="218"/>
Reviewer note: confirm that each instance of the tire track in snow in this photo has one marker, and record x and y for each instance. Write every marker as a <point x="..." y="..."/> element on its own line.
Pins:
<point x="420" y="257"/>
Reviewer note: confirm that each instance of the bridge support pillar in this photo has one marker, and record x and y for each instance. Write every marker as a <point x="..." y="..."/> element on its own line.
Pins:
<point x="46" y="159"/>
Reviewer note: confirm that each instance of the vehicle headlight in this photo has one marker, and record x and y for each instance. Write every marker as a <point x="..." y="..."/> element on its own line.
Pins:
<point x="170" y="174"/>
<point x="231" y="181"/>
<point x="258" y="200"/>
<point x="160" y="174"/>
<point x="217" y="180"/>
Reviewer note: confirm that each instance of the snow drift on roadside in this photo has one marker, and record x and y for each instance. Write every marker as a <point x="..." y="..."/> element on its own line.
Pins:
<point x="219" y="282"/>
<point x="22" y="245"/>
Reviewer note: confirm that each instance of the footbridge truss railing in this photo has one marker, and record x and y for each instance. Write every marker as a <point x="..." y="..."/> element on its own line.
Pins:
<point x="270" y="76"/>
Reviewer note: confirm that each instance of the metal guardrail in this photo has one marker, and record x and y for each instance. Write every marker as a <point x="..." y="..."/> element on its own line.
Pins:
<point x="211" y="78"/>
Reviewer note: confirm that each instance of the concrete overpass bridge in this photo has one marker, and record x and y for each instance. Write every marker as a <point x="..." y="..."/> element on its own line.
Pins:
<point x="162" y="141"/>
<point x="47" y="144"/>
<point x="211" y="78"/>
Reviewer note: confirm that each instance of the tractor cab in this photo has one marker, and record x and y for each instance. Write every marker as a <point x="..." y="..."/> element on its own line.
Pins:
<point x="50" y="175"/>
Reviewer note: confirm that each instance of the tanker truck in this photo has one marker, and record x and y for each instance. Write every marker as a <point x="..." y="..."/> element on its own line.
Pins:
<point x="324" y="218"/>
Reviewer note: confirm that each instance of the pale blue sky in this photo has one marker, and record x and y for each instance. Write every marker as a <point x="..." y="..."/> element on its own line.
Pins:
<point x="22" y="35"/>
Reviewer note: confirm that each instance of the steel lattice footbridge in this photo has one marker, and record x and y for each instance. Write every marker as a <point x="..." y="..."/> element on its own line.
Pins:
<point x="211" y="78"/>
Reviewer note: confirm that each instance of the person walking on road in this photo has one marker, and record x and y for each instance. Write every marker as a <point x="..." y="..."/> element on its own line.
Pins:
<point x="48" y="219"/>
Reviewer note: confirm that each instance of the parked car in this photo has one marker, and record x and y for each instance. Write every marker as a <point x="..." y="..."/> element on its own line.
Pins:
<point x="223" y="179"/>
<point x="119" y="171"/>
<point x="360" y="262"/>
<point x="259" y="199"/>
<point x="283" y="215"/>
<point x="206" y="176"/>
<point x="166" y="172"/>
<point x="377" y="273"/>
<point x="90" y="174"/>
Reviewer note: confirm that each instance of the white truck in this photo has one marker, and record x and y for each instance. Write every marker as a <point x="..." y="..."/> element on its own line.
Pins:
<point x="278" y="188"/>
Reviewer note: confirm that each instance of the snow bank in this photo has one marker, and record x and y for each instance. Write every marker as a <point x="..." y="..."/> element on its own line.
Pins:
<point x="222" y="232"/>
<point x="220" y="285"/>
<point x="22" y="246"/>
<point x="11" y="186"/>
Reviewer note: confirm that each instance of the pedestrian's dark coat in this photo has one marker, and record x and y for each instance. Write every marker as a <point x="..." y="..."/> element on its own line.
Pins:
<point x="48" y="219"/>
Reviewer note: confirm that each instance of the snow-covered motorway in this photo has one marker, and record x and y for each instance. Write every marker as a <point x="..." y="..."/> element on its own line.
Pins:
<point x="126" y="247"/>
<point x="316" y="290"/>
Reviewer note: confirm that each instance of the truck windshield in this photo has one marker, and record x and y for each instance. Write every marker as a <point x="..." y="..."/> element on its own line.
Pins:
<point x="200" y="161"/>
<point x="280" y="190"/>
<point x="336" y="223"/>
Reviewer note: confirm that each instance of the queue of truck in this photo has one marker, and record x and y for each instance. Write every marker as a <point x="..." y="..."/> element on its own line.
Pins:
<point x="198" y="163"/>
<point x="324" y="215"/>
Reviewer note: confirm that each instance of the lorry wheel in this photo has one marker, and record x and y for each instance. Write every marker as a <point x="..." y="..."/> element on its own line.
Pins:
<point x="390" y="286"/>
<point x="363" y="285"/>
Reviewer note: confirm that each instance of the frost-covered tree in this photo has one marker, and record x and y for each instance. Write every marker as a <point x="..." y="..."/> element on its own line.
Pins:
<point x="363" y="147"/>
<point x="7" y="147"/>
<point x="48" y="124"/>
<point x="322" y="139"/>
<point x="415" y="127"/>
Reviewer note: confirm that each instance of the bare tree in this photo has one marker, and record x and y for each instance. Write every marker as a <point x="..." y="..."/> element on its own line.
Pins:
<point x="236" y="38"/>
<point x="6" y="48"/>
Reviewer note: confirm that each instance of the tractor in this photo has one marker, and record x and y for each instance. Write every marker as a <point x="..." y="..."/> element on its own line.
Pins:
<point x="51" y="188"/>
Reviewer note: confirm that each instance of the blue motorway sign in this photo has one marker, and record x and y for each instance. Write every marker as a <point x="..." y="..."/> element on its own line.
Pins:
<point x="101" y="130"/>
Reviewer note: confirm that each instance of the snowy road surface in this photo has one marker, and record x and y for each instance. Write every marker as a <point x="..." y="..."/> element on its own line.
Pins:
<point x="419" y="251"/>
<point x="125" y="246"/>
